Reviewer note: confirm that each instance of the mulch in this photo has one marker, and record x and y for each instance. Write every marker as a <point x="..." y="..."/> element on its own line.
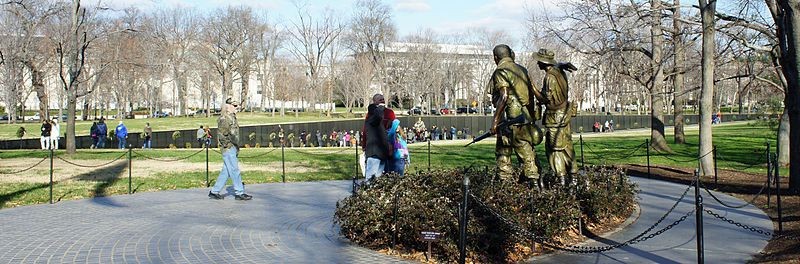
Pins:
<point x="746" y="186"/>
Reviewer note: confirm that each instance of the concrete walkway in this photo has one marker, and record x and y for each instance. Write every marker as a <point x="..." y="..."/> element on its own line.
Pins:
<point x="292" y="223"/>
<point x="723" y="242"/>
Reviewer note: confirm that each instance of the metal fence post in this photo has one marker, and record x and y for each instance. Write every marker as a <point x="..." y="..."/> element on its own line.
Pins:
<point x="583" y="161"/>
<point x="769" y="176"/>
<point x="647" y="146"/>
<point x="208" y="183"/>
<point x="715" y="165"/>
<point x="130" y="185"/>
<point x="778" y="193"/>
<point x="429" y="155"/>
<point x="51" y="176"/>
<point x="355" y="175"/>
<point x="698" y="207"/>
<point x="283" y="162"/>
<point x="462" y="241"/>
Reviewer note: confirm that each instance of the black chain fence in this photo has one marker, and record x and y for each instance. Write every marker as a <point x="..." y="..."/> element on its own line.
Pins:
<point x="25" y="169"/>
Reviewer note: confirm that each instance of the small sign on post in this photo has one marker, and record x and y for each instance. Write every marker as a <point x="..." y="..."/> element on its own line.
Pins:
<point x="429" y="236"/>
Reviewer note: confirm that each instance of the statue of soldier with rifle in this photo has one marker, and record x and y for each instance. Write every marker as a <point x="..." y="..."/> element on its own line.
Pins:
<point x="513" y="122"/>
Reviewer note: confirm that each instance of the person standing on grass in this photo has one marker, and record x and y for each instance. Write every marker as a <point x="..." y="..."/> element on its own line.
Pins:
<point x="122" y="134"/>
<point x="148" y="135"/>
<point x="228" y="136"/>
<point x="201" y="136"/>
<point x="319" y="139"/>
<point x="46" y="128"/>
<point x="54" y="134"/>
<point x="102" y="132"/>
<point x="93" y="134"/>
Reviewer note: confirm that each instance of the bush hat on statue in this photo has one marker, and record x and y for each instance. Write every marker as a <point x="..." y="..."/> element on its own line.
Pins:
<point x="545" y="56"/>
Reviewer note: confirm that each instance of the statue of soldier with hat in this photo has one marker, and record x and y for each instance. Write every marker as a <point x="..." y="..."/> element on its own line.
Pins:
<point x="557" y="116"/>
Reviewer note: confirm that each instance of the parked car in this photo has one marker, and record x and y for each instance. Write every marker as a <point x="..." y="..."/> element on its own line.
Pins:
<point x="415" y="111"/>
<point x="4" y="117"/>
<point x="160" y="114"/>
<point x="202" y="112"/>
<point x="35" y="117"/>
<point x="466" y="110"/>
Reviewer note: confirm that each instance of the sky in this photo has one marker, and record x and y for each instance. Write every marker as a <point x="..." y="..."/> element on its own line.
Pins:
<point x="410" y="16"/>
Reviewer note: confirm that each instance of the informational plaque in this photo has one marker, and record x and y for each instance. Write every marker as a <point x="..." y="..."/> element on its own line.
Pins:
<point x="429" y="236"/>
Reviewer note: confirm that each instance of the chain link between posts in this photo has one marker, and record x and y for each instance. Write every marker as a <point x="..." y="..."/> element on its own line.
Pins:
<point x="750" y="228"/>
<point x="25" y="169"/>
<point x="91" y="166"/>
<point x="167" y="160"/>
<point x="548" y="242"/>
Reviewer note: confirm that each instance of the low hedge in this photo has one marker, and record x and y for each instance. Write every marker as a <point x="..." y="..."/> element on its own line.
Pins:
<point x="429" y="202"/>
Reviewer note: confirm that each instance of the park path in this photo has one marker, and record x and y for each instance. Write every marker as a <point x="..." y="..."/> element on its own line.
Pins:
<point x="292" y="223"/>
<point x="723" y="242"/>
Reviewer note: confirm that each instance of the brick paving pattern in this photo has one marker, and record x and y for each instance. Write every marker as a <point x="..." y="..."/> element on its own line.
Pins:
<point x="284" y="223"/>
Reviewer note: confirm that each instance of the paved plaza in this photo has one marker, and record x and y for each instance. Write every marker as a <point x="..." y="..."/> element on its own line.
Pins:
<point x="292" y="223"/>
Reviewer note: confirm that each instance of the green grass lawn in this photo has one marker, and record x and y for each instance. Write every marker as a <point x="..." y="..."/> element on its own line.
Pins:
<point x="9" y="131"/>
<point x="740" y="147"/>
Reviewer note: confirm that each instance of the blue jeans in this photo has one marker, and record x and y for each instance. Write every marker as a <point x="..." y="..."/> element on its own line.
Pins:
<point x="122" y="142"/>
<point x="396" y="165"/>
<point x="147" y="143"/>
<point x="230" y="168"/>
<point x="101" y="142"/>
<point x="374" y="167"/>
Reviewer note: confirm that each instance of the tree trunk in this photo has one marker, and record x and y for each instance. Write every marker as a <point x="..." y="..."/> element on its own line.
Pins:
<point x="181" y="85"/>
<point x="788" y="29"/>
<point x="707" y="10"/>
<point x="783" y="139"/>
<point x="74" y="71"/>
<point x="245" y="73"/>
<point x="678" y="81"/>
<point x="657" y="139"/>
<point x="227" y="86"/>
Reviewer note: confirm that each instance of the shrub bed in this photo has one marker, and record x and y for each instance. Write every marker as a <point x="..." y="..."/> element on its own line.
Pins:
<point x="430" y="201"/>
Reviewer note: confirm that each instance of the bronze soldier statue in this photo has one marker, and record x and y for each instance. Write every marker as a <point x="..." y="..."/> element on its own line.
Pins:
<point x="557" y="116"/>
<point x="512" y="95"/>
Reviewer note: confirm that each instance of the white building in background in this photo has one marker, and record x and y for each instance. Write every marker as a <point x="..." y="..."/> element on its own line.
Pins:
<point x="477" y="63"/>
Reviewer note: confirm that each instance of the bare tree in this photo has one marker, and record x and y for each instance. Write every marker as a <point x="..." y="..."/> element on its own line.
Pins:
<point x="678" y="79"/>
<point x="786" y="15"/>
<point x="615" y="29"/>
<point x="72" y="52"/>
<point x="175" y="32"/>
<point x="310" y="37"/>
<point x="353" y="81"/>
<point x="371" y="29"/>
<point x="707" y="11"/>
<point x="225" y="42"/>
<point x="269" y="39"/>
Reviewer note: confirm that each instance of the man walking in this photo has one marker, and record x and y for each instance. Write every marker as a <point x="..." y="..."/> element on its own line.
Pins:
<point x="228" y="136"/>
<point x="122" y="134"/>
